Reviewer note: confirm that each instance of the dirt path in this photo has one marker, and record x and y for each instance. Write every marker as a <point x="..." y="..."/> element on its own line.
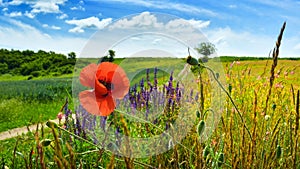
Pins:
<point x="19" y="131"/>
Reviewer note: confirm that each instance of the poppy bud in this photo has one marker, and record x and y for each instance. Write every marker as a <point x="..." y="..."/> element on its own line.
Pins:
<point x="192" y="61"/>
<point x="217" y="75"/>
<point x="273" y="106"/>
<point x="198" y="113"/>
<point x="201" y="127"/>
<point x="221" y="159"/>
<point x="206" y="152"/>
<point x="46" y="142"/>
<point x="51" y="124"/>
<point x="230" y="88"/>
<point x="278" y="151"/>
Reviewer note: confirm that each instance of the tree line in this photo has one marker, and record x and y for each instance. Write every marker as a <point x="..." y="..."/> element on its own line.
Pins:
<point x="40" y="63"/>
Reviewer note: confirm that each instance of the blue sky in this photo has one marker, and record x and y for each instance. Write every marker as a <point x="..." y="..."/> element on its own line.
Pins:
<point x="242" y="28"/>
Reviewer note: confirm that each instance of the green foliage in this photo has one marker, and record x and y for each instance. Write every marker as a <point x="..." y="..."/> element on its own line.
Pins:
<point x="39" y="63"/>
<point x="206" y="49"/>
<point x="110" y="57"/>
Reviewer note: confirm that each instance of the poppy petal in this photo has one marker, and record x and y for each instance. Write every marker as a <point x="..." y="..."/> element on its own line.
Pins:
<point x="121" y="84"/>
<point x="106" y="105"/>
<point x="88" y="101"/>
<point x="104" y="68"/>
<point x="100" y="89"/>
<point x="87" y="75"/>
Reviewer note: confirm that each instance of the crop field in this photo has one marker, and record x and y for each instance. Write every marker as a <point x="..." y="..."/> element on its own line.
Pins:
<point x="258" y="126"/>
<point x="25" y="102"/>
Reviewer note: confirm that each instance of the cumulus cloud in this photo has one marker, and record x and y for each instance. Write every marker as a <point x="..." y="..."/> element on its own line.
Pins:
<point x="14" y="14"/>
<point x="29" y="15"/>
<point x="79" y="8"/>
<point x="63" y="16"/>
<point x="51" y="27"/>
<point x="145" y="19"/>
<point x="41" y="6"/>
<point x="93" y="22"/>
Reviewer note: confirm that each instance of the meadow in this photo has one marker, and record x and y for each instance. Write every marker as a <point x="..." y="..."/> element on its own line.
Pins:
<point x="266" y="135"/>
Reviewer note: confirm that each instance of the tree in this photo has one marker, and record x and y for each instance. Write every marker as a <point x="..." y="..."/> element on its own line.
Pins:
<point x="72" y="55"/>
<point x="109" y="57"/>
<point x="206" y="49"/>
<point x="111" y="54"/>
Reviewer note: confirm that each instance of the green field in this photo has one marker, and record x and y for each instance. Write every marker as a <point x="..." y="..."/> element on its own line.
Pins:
<point x="25" y="102"/>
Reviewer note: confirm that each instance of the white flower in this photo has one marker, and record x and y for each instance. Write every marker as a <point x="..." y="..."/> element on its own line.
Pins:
<point x="267" y="117"/>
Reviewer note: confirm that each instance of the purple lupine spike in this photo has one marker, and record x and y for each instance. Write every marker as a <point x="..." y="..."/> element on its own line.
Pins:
<point x="92" y="123"/>
<point x="155" y="121"/>
<point x="197" y="96"/>
<point x="155" y="72"/>
<point x="178" y="96"/>
<point x="167" y="126"/>
<point x="191" y="93"/>
<point x="155" y="78"/>
<point x="142" y="84"/>
<point x="103" y="122"/>
<point x="118" y="139"/>
<point x="77" y="129"/>
<point x="171" y="76"/>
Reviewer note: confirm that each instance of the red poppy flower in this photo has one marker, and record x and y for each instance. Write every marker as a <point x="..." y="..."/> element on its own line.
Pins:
<point x="109" y="82"/>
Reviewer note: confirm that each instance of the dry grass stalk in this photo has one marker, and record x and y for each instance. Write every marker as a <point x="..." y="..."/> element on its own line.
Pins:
<point x="297" y="114"/>
<point x="275" y="55"/>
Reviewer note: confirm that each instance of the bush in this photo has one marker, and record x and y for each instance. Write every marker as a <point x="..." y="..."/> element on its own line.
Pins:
<point x="35" y="73"/>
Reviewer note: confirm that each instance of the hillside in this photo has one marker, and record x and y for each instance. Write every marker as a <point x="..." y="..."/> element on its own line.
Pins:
<point x="35" y="64"/>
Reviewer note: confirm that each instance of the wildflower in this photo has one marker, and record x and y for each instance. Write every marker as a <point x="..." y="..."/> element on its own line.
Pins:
<point x="60" y="115"/>
<point x="238" y="62"/>
<point x="258" y="78"/>
<point x="278" y="85"/>
<point x="292" y="72"/>
<point x="109" y="82"/>
<point x="267" y="117"/>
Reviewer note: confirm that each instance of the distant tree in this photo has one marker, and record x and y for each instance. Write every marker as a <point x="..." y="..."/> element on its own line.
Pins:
<point x="3" y="68"/>
<point x="109" y="57"/>
<point x="72" y="55"/>
<point x="111" y="54"/>
<point x="206" y="49"/>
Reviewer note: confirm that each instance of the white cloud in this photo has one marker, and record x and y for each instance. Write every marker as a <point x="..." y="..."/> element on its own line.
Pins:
<point x="79" y="8"/>
<point x="45" y="7"/>
<point x="5" y="9"/>
<point x="144" y="19"/>
<point x="16" y="2"/>
<point x="23" y="36"/>
<point x="29" y="15"/>
<point x="63" y="16"/>
<point x="51" y="27"/>
<point x="14" y="14"/>
<point x="41" y="6"/>
<point x="81" y="24"/>
<point x="199" y="24"/>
